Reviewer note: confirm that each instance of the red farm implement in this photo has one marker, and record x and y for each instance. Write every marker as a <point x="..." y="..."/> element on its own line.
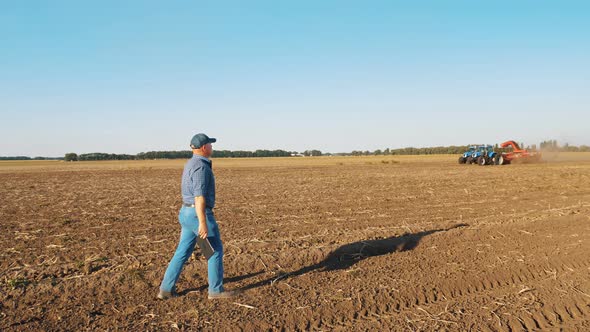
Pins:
<point x="516" y="154"/>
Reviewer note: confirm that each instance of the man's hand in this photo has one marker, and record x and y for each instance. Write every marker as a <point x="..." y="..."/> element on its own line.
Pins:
<point x="203" y="230"/>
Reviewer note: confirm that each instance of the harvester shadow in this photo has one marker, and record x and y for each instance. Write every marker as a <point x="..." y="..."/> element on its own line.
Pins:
<point x="349" y="254"/>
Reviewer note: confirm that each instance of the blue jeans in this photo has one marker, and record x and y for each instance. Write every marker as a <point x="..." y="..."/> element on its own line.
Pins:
<point x="189" y="231"/>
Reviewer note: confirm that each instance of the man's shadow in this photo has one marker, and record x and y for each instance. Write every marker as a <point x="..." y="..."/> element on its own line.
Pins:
<point x="349" y="254"/>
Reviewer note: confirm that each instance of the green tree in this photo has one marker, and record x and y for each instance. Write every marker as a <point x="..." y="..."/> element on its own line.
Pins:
<point x="71" y="157"/>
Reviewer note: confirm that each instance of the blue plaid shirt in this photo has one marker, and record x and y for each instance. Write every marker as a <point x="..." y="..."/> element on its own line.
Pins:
<point x="198" y="180"/>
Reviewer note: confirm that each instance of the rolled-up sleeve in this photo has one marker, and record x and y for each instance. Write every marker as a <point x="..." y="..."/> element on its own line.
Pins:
<point x="199" y="181"/>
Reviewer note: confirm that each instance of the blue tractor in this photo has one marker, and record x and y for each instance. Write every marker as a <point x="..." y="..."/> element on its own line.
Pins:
<point x="467" y="156"/>
<point x="480" y="154"/>
<point x="485" y="155"/>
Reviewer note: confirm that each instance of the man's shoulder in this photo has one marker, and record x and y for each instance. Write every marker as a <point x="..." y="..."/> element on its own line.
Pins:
<point x="196" y="164"/>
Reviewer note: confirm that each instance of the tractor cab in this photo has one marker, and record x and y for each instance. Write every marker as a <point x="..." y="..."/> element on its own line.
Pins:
<point x="486" y="150"/>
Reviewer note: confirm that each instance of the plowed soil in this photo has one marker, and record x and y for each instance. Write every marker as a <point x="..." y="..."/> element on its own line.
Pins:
<point x="332" y="244"/>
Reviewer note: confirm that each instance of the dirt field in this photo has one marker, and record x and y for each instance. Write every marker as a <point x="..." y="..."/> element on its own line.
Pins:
<point x="332" y="244"/>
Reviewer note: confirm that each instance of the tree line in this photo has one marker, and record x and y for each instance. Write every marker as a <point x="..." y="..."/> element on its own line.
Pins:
<point x="549" y="145"/>
<point x="552" y="145"/>
<point x="454" y="149"/>
<point x="179" y="155"/>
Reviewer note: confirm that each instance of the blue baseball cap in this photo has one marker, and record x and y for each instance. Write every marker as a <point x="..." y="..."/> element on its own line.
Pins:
<point x="201" y="139"/>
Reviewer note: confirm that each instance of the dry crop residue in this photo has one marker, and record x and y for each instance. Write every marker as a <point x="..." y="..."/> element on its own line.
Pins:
<point x="344" y="245"/>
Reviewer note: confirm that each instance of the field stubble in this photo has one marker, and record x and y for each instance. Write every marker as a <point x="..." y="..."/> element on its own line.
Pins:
<point x="334" y="243"/>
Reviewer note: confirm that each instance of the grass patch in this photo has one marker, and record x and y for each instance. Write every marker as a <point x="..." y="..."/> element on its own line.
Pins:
<point x="134" y="275"/>
<point x="103" y="259"/>
<point x="19" y="282"/>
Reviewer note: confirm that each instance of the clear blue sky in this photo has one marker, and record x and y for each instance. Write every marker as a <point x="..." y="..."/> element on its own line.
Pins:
<point x="133" y="76"/>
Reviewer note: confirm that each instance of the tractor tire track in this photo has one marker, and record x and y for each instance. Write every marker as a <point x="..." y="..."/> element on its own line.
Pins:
<point x="541" y="277"/>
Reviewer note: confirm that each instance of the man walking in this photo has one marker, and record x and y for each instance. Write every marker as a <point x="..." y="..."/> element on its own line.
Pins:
<point x="196" y="219"/>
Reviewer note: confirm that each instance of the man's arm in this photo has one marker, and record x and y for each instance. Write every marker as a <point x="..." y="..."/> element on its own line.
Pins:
<point x="200" y="208"/>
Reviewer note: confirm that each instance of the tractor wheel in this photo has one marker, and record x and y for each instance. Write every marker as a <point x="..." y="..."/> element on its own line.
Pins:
<point x="461" y="160"/>
<point x="502" y="161"/>
<point x="469" y="160"/>
<point x="481" y="161"/>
